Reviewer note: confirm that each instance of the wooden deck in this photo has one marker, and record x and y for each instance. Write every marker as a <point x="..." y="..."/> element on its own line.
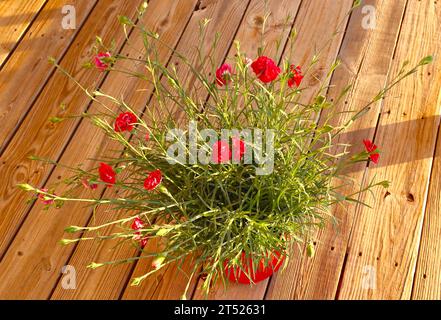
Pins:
<point x="391" y="251"/>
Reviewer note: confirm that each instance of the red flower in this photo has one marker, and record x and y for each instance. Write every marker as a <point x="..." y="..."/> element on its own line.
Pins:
<point x="221" y="152"/>
<point x="147" y="136"/>
<point x="99" y="60"/>
<point x="235" y="274"/>
<point x="125" y="122"/>
<point x="43" y="198"/>
<point x="238" y="149"/>
<point x="107" y="174"/>
<point x="296" y="76"/>
<point x="153" y="180"/>
<point x="136" y="225"/>
<point x="158" y="262"/>
<point x="89" y="185"/>
<point x="223" y="74"/>
<point x="372" y="149"/>
<point x="265" y="69"/>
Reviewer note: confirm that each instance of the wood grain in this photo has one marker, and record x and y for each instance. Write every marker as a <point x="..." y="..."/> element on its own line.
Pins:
<point x="366" y="56"/>
<point x="387" y="237"/>
<point x="15" y="18"/>
<point x="303" y="47"/>
<point x="94" y="283"/>
<point x="398" y="238"/>
<point x="164" y="17"/>
<point x="28" y="64"/>
<point x="278" y="27"/>
<point x="226" y="19"/>
<point x="38" y="136"/>
<point x="427" y="277"/>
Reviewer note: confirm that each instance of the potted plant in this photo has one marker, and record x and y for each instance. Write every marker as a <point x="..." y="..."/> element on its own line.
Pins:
<point x="239" y="180"/>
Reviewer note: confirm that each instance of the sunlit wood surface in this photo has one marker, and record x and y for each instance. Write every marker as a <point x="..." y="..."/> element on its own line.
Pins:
<point x="395" y="243"/>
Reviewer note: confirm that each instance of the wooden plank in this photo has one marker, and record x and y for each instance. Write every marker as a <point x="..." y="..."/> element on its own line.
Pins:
<point x="15" y="18"/>
<point x="48" y="141"/>
<point x="225" y="19"/>
<point x="308" y="13"/>
<point x="168" y="283"/>
<point x="87" y="252"/>
<point x="167" y="18"/>
<point x="385" y="239"/>
<point x="28" y="65"/>
<point x="366" y="56"/>
<point x="427" y="277"/>
<point x="249" y="36"/>
<point x="316" y="34"/>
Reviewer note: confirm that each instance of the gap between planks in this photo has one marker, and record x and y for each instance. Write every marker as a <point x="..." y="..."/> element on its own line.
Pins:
<point x="191" y="34"/>
<point x="11" y="36"/>
<point x="22" y="104"/>
<point x="107" y="28"/>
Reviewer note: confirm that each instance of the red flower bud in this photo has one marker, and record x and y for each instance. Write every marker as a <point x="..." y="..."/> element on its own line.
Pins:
<point x="86" y="184"/>
<point x="296" y="76"/>
<point x="43" y="198"/>
<point x="136" y="225"/>
<point x="223" y="74"/>
<point x="157" y="262"/>
<point x="99" y="60"/>
<point x="372" y="149"/>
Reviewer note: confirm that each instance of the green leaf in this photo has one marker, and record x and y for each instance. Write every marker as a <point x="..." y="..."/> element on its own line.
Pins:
<point x="426" y="60"/>
<point x="124" y="20"/>
<point x="59" y="204"/>
<point x="72" y="229"/>
<point x="356" y="4"/>
<point x="98" y="40"/>
<point x="310" y="250"/>
<point x="65" y="242"/>
<point x="320" y="100"/>
<point x="87" y="65"/>
<point x="56" y="119"/>
<point x="136" y="282"/>
<point x="95" y="265"/>
<point x="142" y="9"/>
<point x="162" y="232"/>
<point x="385" y="184"/>
<point x="25" y="187"/>
<point x="327" y="128"/>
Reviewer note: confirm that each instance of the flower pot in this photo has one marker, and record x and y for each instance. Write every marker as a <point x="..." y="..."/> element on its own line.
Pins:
<point x="235" y="274"/>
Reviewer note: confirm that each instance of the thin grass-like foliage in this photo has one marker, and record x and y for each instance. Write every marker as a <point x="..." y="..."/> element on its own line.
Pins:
<point x="208" y="212"/>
